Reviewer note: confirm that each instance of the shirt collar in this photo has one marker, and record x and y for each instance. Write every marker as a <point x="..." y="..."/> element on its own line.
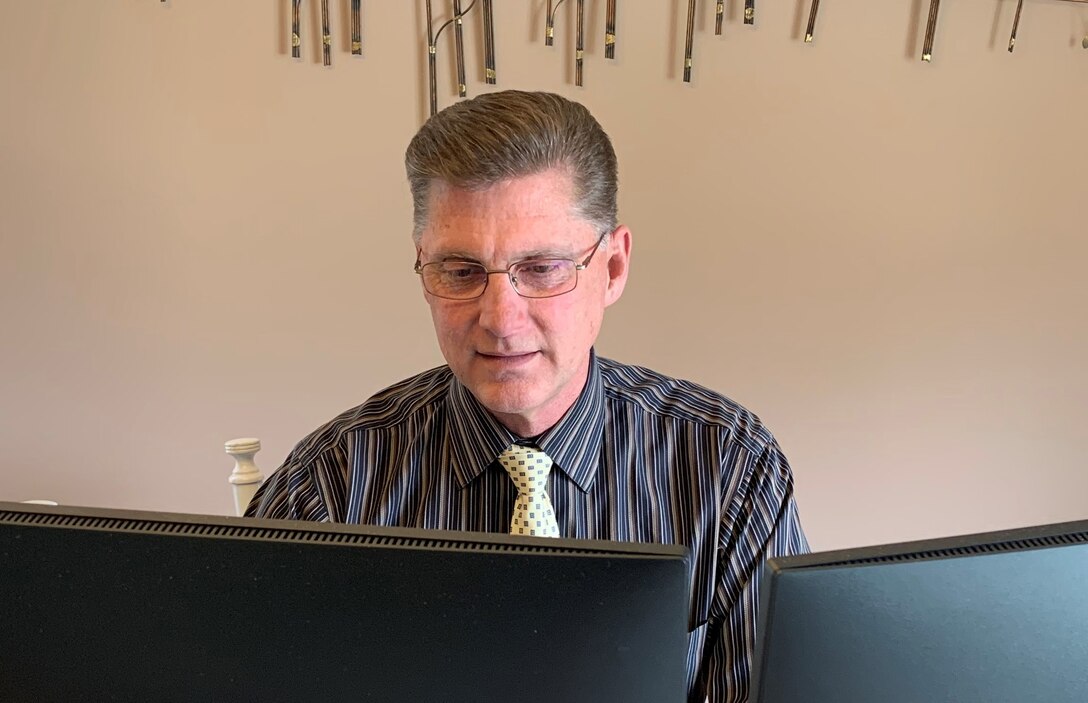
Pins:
<point x="573" y="443"/>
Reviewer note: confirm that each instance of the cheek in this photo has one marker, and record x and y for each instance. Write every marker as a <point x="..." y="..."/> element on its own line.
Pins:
<point x="574" y="321"/>
<point x="450" y="322"/>
<point x="592" y="291"/>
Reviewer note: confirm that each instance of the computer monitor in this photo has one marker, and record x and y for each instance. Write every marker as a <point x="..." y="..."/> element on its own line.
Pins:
<point x="987" y="618"/>
<point x="133" y="606"/>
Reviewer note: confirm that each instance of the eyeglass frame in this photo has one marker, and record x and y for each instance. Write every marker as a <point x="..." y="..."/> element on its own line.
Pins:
<point x="419" y="266"/>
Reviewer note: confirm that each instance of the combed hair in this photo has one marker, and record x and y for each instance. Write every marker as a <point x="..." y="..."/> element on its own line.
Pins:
<point x="478" y="143"/>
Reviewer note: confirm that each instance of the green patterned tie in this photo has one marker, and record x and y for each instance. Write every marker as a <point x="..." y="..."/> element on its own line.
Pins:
<point x="533" y="514"/>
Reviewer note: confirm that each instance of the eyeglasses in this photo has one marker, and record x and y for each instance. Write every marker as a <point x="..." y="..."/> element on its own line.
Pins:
<point x="531" y="278"/>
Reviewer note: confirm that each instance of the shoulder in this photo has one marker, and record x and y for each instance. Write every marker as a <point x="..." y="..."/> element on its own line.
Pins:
<point x="665" y="397"/>
<point x="387" y="409"/>
<point x="313" y="482"/>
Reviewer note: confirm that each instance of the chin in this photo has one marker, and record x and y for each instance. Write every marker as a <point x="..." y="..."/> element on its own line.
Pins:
<point x="506" y="398"/>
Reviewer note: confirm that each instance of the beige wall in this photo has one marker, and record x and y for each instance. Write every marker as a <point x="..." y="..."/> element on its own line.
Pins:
<point x="202" y="239"/>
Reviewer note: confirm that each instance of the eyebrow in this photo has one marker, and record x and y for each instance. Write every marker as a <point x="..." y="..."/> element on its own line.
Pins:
<point x="455" y="255"/>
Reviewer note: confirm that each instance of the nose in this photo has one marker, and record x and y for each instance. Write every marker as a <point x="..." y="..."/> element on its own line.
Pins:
<point x="502" y="310"/>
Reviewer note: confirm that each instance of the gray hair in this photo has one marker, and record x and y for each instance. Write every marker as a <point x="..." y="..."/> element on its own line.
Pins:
<point x="478" y="143"/>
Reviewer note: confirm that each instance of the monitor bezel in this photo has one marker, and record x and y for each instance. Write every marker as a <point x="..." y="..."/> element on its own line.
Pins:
<point x="223" y="526"/>
<point x="1012" y="539"/>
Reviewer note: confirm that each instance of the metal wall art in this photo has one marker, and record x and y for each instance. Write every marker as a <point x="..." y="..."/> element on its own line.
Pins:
<point x="488" y="34"/>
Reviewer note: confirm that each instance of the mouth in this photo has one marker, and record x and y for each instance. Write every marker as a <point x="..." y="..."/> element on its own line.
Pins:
<point x="506" y="357"/>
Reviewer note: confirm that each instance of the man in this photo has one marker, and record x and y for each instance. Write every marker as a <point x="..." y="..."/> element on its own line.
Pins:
<point x="519" y="253"/>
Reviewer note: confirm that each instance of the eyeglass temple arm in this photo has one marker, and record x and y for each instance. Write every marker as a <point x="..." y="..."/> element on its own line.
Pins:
<point x="582" y="266"/>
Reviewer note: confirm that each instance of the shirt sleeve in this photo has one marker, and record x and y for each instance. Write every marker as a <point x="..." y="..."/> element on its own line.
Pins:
<point x="758" y="522"/>
<point x="313" y="490"/>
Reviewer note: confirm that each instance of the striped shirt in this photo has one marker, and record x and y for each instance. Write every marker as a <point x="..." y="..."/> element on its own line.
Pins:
<point x="639" y="457"/>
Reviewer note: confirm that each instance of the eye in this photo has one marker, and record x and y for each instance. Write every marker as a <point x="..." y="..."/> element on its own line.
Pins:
<point x="544" y="275"/>
<point x="454" y="276"/>
<point x="542" y="267"/>
<point x="459" y="270"/>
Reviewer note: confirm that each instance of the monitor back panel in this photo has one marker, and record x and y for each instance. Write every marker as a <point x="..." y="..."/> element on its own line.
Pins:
<point x="116" y="615"/>
<point x="994" y="628"/>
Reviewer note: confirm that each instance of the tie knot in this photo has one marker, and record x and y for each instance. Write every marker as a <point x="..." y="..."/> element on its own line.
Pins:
<point x="527" y="466"/>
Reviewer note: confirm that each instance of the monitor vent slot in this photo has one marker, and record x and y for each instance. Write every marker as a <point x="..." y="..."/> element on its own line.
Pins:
<point x="1012" y="545"/>
<point x="199" y="529"/>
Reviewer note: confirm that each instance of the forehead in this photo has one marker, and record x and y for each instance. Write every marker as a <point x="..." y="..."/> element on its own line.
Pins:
<point x="520" y="216"/>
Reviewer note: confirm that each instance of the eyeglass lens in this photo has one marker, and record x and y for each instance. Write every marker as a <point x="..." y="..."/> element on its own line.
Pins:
<point x="538" y="278"/>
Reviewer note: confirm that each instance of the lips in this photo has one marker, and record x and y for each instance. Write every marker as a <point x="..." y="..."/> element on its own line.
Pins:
<point x="507" y="358"/>
<point x="505" y="355"/>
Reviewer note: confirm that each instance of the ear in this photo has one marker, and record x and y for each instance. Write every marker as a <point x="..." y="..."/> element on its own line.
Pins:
<point x="619" y="257"/>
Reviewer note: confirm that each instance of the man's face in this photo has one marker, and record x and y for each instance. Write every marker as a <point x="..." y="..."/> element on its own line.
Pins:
<point x="524" y="359"/>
